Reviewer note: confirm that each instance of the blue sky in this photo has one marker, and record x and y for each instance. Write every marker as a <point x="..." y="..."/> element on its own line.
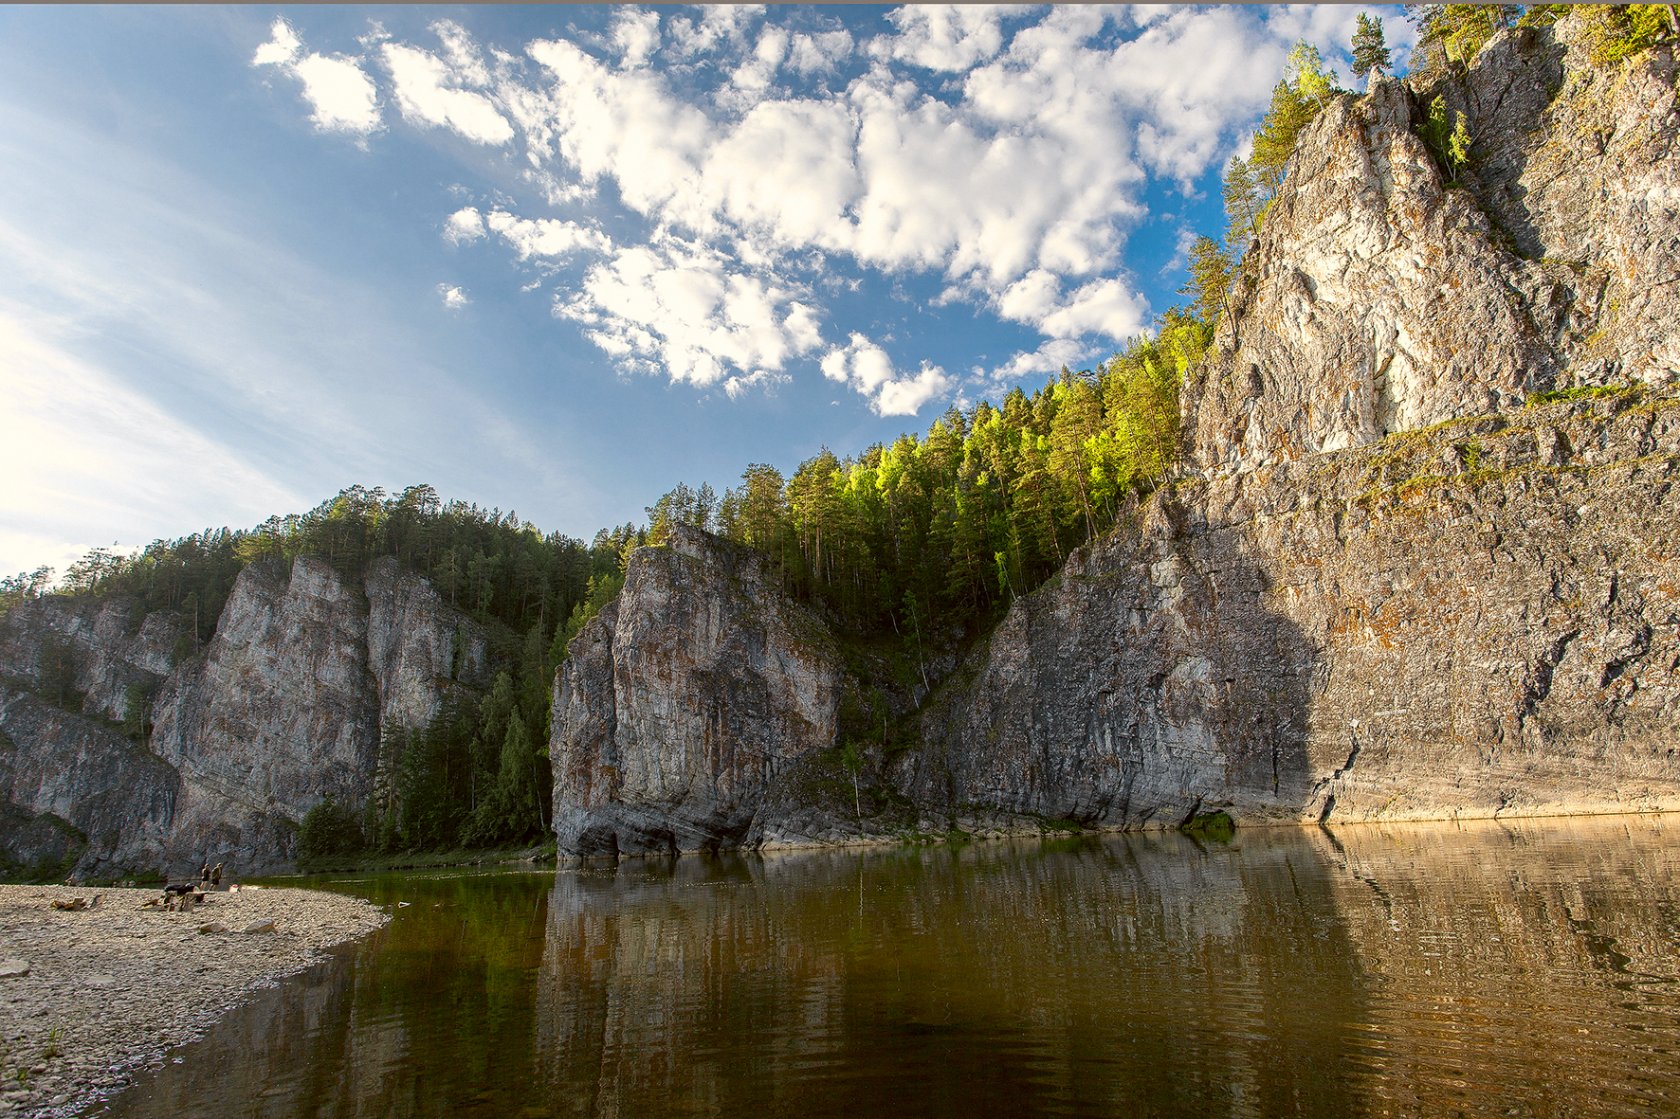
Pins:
<point x="556" y="260"/>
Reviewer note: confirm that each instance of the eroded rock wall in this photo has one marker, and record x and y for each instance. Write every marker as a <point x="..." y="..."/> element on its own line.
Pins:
<point x="1382" y="296"/>
<point x="1481" y="619"/>
<point x="683" y="701"/>
<point x="286" y="706"/>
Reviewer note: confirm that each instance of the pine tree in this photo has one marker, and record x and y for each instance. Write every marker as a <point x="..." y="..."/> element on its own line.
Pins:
<point x="1243" y="206"/>
<point x="1210" y="278"/>
<point x="1370" y="48"/>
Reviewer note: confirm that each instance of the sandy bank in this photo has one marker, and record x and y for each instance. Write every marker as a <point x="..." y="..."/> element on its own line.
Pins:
<point x="109" y="989"/>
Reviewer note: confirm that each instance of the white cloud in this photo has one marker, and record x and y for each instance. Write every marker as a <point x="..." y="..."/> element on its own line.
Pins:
<point x="466" y="64"/>
<point x="720" y="24"/>
<point x="463" y="226"/>
<point x="682" y="310"/>
<point x="823" y="51"/>
<point x="341" y="97"/>
<point x="1107" y="307"/>
<point x="453" y="297"/>
<point x="282" y="46"/>
<point x="545" y="237"/>
<point x="635" y="35"/>
<point x="1049" y="358"/>
<point x="425" y="93"/>
<point x="1005" y="149"/>
<point x="866" y="367"/>
<point x="1181" y="251"/>
<point x="946" y="36"/>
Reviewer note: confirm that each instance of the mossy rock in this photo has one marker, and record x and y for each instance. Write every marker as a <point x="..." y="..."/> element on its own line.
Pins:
<point x="1217" y="827"/>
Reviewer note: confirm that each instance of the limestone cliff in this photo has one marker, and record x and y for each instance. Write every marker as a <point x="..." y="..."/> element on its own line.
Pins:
<point x="685" y="700"/>
<point x="286" y="706"/>
<point x="1381" y="297"/>
<point x="1479" y="619"/>
<point x="1324" y="619"/>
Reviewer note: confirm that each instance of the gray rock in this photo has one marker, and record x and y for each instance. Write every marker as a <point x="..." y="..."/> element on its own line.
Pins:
<point x="13" y="968"/>
<point x="684" y="700"/>
<point x="285" y="707"/>
<point x="1382" y="298"/>
<point x="1404" y="631"/>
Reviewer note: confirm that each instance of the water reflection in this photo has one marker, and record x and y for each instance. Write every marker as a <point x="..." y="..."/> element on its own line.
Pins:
<point x="1122" y="977"/>
<point x="1424" y="970"/>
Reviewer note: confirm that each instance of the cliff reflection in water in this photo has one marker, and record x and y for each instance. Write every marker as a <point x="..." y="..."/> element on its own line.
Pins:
<point x="1417" y="970"/>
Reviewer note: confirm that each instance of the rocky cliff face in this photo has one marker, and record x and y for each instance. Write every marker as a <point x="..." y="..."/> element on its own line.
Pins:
<point x="684" y="701"/>
<point x="1386" y="588"/>
<point x="1380" y="297"/>
<point x="284" y="708"/>
<point x="1481" y="619"/>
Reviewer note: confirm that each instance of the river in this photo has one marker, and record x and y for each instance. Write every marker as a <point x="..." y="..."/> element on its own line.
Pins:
<point x="1495" y="968"/>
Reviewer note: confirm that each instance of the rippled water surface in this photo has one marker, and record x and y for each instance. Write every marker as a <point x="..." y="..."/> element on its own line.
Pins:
<point x="1488" y="969"/>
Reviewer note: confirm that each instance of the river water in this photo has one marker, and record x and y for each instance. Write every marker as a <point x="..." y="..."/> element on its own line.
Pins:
<point x="1514" y="968"/>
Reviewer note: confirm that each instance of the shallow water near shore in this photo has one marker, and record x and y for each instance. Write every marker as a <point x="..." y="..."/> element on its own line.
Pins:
<point x="1512" y="968"/>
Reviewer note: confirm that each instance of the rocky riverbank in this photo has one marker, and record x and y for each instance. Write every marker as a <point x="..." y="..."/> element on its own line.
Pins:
<point x="88" y="997"/>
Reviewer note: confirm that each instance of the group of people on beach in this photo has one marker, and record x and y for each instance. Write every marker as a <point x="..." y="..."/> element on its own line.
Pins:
<point x="210" y="877"/>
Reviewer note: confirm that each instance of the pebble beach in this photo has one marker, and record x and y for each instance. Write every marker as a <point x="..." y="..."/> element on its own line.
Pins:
<point x="89" y="997"/>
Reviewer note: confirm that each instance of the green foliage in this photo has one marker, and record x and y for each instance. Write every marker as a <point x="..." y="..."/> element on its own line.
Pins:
<point x="1211" y="270"/>
<point x="602" y="589"/>
<point x="1450" y="35"/>
<point x="55" y="673"/>
<point x="483" y="562"/>
<point x="328" y="831"/>
<point x="1296" y="100"/>
<point x="1215" y="826"/>
<point x="1614" y="32"/>
<point x="1245" y="205"/>
<point x="929" y="534"/>
<point x="24" y="587"/>
<point x="1370" y="46"/>
<point x="1306" y="72"/>
<point x="137" y="712"/>
<point x="1449" y="143"/>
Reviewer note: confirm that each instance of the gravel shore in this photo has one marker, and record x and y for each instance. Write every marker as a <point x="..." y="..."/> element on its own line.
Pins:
<point x="108" y="990"/>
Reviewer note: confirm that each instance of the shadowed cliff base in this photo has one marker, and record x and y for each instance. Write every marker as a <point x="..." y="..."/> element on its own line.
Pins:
<point x="1477" y="619"/>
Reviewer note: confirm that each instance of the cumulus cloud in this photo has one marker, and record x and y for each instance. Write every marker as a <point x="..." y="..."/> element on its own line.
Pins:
<point x="823" y="51"/>
<point x="545" y="237"/>
<point x="342" y="98"/>
<point x="719" y="25"/>
<point x="866" y="367"/>
<point x="429" y="89"/>
<point x="1005" y="150"/>
<point x="1049" y="358"/>
<point x="681" y="310"/>
<point x="463" y="226"/>
<point x="635" y="35"/>
<point x="946" y="36"/>
<point x="453" y="297"/>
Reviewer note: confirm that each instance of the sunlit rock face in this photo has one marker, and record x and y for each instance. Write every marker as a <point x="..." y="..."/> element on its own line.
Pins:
<point x="684" y="700"/>
<point x="283" y="708"/>
<point x="1382" y="296"/>
<point x="1388" y="586"/>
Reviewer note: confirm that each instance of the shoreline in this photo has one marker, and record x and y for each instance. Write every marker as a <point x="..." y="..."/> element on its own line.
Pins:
<point x="111" y="989"/>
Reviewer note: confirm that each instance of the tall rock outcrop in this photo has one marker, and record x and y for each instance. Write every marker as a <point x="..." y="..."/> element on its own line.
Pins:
<point x="1381" y="297"/>
<point x="684" y="700"/>
<point x="1388" y="586"/>
<point x="285" y="707"/>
